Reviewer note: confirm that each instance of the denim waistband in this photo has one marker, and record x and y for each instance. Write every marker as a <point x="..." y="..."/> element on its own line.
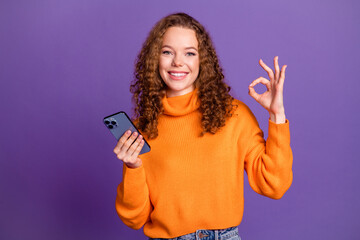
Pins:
<point x="203" y="234"/>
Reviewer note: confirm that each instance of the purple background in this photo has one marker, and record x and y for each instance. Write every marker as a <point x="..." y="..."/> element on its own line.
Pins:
<point x="64" y="65"/>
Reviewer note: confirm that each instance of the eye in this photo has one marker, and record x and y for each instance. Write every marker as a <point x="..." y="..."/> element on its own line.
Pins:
<point x="190" y="54"/>
<point x="166" y="52"/>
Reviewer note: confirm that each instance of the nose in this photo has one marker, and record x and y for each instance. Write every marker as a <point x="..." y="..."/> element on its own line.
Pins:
<point x="177" y="61"/>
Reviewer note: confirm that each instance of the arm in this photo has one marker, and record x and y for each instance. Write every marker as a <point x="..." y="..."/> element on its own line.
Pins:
<point x="132" y="199"/>
<point x="269" y="165"/>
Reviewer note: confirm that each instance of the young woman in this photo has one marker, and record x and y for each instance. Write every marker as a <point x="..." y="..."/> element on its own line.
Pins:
<point x="190" y="185"/>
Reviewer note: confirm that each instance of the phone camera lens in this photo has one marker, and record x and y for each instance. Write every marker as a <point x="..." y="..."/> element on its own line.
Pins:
<point x="113" y="122"/>
<point x="110" y="126"/>
<point x="107" y="122"/>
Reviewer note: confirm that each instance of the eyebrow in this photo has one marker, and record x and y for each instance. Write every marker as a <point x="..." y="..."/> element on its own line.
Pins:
<point x="185" y="48"/>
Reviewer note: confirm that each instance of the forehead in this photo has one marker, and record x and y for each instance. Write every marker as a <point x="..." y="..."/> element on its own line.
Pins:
<point x="180" y="37"/>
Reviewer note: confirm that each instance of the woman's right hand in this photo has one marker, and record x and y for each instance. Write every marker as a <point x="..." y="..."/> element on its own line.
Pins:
<point x="128" y="148"/>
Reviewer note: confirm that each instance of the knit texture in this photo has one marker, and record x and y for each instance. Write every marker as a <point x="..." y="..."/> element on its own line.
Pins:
<point x="189" y="182"/>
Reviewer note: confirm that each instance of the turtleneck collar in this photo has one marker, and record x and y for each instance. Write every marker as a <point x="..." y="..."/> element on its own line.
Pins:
<point x="181" y="105"/>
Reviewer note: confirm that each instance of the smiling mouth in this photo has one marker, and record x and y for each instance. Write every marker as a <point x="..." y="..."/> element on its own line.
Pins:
<point x="178" y="75"/>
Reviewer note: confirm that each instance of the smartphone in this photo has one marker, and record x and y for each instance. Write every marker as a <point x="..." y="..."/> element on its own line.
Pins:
<point x="119" y="123"/>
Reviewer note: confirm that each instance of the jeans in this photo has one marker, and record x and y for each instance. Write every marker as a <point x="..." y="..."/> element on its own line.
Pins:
<point x="221" y="234"/>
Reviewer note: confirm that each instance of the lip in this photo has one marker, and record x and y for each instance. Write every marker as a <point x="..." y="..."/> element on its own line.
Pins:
<point x="177" y="78"/>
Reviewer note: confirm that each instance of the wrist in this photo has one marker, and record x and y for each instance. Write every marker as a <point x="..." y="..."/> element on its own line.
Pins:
<point x="134" y="165"/>
<point x="278" y="118"/>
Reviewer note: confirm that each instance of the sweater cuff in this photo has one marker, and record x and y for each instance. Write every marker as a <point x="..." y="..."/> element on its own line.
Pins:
<point x="286" y="122"/>
<point x="134" y="178"/>
<point x="280" y="131"/>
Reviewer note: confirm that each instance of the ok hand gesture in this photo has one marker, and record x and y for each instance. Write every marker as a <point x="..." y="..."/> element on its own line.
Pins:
<point x="272" y="99"/>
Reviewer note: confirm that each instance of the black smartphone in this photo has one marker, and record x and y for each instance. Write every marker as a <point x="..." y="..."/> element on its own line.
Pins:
<point x="119" y="123"/>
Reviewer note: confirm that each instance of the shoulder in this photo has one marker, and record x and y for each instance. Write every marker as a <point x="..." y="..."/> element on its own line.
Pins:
<point x="240" y="107"/>
<point x="242" y="112"/>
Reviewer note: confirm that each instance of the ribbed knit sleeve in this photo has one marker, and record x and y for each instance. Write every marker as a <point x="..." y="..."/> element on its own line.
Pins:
<point x="132" y="200"/>
<point x="269" y="164"/>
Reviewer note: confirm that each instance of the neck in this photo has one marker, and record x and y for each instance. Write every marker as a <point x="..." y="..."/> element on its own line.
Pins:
<point x="171" y="93"/>
<point x="181" y="104"/>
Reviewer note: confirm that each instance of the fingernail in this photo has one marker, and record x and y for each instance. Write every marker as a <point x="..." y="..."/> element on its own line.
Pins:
<point x="128" y="132"/>
<point x="135" y="133"/>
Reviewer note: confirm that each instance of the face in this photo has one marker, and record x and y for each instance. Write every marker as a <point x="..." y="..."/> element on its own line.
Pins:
<point x="179" y="61"/>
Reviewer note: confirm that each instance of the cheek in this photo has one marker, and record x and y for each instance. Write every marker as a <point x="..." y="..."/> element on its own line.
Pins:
<point x="161" y="64"/>
<point x="195" y="65"/>
<point x="162" y="68"/>
<point x="164" y="63"/>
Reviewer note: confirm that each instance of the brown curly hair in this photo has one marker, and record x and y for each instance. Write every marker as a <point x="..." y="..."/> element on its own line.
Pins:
<point x="149" y="89"/>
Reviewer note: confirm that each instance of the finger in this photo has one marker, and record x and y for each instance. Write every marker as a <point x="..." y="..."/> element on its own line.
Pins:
<point x="262" y="80"/>
<point x="282" y="75"/>
<point x="134" y="146"/>
<point x="121" y="141"/>
<point x="254" y="94"/>
<point x="138" y="149"/>
<point x="252" y="91"/>
<point x="124" y="154"/>
<point x="277" y="69"/>
<point x="129" y="142"/>
<point x="131" y="156"/>
<point x="267" y="69"/>
<point x="121" y="156"/>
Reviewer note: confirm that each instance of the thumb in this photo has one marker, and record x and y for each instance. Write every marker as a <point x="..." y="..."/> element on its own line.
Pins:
<point x="253" y="93"/>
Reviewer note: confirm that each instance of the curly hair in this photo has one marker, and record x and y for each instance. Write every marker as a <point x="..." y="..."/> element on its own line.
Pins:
<point x="149" y="89"/>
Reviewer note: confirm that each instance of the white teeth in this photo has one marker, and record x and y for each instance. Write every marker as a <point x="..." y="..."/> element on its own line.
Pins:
<point x="178" y="74"/>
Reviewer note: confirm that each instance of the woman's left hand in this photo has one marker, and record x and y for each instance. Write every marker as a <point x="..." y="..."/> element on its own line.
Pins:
<point x="272" y="99"/>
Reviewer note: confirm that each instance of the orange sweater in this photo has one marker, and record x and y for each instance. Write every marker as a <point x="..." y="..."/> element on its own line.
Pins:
<point x="188" y="182"/>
